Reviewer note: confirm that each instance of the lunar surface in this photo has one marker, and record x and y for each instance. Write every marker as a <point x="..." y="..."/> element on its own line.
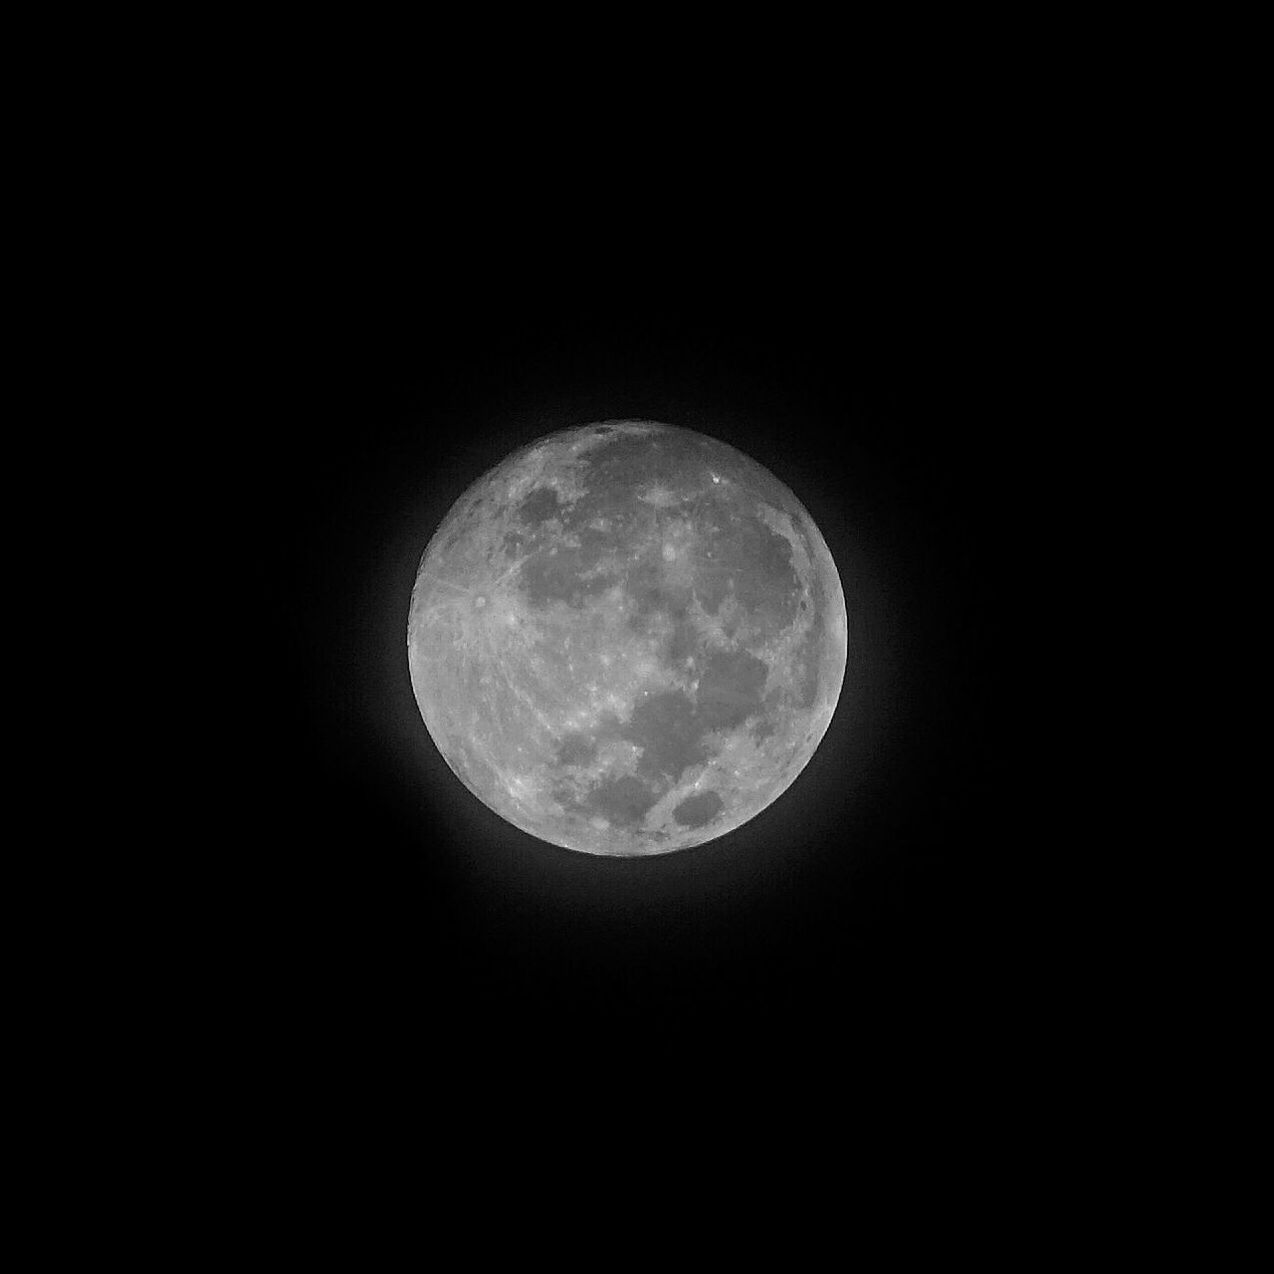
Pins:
<point x="627" y="638"/>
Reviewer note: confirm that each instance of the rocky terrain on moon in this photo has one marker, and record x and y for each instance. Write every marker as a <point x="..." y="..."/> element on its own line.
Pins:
<point x="627" y="638"/>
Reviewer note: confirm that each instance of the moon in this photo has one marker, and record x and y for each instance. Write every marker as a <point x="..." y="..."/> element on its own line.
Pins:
<point x="627" y="639"/>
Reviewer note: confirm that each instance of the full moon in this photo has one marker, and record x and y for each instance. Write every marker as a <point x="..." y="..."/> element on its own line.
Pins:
<point x="627" y="638"/>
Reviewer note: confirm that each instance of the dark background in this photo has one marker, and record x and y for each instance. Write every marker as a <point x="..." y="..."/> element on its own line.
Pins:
<point x="879" y="914"/>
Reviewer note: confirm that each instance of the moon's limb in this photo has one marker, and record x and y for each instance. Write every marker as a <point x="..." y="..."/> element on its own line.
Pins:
<point x="627" y="639"/>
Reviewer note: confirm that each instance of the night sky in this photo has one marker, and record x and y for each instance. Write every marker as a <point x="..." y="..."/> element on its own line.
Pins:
<point x="876" y="912"/>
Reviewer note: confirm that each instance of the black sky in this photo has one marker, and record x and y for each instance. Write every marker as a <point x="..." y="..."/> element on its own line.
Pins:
<point x="878" y="908"/>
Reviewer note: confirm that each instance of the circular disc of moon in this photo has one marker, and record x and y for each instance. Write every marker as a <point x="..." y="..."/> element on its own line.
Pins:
<point x="627" y="638"/>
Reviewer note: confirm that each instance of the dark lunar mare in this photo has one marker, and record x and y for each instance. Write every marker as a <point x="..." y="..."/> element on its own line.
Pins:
<point x="742" y="556"/>
<point x="699" y="809"/>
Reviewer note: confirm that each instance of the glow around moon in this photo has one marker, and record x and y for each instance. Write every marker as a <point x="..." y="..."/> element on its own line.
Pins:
<point x="627" y="638"/>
